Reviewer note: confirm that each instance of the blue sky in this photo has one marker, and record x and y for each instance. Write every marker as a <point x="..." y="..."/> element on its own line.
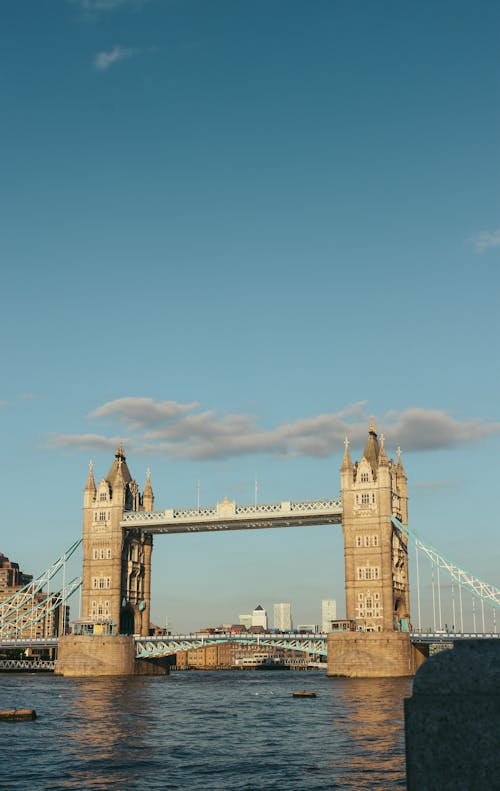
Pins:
<point x="230" y="233"/>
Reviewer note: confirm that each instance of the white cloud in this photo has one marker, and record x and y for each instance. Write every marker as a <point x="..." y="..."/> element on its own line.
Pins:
<point x="141" y="412"/>
<point x="179" y="431"/>
<point x="103" y="60"/>
<point x="484" y="240"/>
<point x="84" y="442"/>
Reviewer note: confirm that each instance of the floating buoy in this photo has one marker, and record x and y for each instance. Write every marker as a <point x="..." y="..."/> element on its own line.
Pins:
<point x="18" y="714"/>
<point x="304" y="694"/>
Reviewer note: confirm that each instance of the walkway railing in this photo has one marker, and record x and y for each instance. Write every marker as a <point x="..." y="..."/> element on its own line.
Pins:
<point x="231" y="516"/>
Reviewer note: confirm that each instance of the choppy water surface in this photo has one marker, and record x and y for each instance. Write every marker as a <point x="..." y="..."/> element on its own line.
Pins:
<point x="204" y="730"/>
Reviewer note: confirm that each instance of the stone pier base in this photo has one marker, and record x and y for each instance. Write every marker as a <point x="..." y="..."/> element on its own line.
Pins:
<point x="452" y="722"/>
<point x="372" y="654"/>
<point x="95" y="655"/>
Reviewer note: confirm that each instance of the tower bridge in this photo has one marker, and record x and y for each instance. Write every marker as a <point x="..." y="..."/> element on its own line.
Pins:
<point x="119" y="523"/>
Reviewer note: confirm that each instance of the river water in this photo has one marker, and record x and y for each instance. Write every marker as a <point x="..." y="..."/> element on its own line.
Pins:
<point x="204" y="730"/>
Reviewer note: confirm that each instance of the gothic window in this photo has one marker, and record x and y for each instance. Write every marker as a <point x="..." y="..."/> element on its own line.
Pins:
<point x="375" y="541"/>
<point x="367" y="541"/>
<point x="365" y="499"/>
<point x="102" y="516"/>
<point x="373" y="498"/>
<point x="108" y="553"/>
<point x="102" y="497"/>
<point x="95" y="554"/>
<point x="364" y="477"/>
<point x="94" y="582"/>
<point x="358" y="541"/>
<point x="99" y="609"/>
<point x="101" y="582"/>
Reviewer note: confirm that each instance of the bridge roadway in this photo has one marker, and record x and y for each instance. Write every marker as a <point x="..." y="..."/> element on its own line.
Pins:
<point x="163" y="645"/>
<point x="230" y="516"/>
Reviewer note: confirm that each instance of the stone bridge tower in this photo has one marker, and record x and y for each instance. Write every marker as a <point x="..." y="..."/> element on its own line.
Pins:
<point x="116" y="562"/>
<point x="376" y="553"/>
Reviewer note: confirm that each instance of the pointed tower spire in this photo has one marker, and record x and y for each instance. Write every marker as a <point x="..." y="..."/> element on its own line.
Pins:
<point x="90" y="483"/>
<point x="372" y="448"/>
<point x="399" y="466"/>
<point x="90" y="490"/>
<point x="346" y="461"/>
<point x="148" y="496"/>
<point x="382" y="455"/>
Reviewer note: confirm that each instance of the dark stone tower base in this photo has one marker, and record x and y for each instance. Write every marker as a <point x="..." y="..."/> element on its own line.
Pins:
<point x="372" y="655"/>
<point x="96" y="655"/>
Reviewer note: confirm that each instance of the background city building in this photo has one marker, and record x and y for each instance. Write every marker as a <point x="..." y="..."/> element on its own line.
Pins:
<point x="283" y="617"/>
<point x="309" y="628"/>
<point x="328" y="614"/>
<point x="259" y="617"/>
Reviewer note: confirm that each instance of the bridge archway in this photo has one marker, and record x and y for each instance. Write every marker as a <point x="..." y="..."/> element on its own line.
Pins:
<point x="127" y="620"/>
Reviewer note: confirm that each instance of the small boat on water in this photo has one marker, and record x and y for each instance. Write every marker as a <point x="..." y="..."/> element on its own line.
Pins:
<point x="18" y="714"/>
<point x="303" y="694"/>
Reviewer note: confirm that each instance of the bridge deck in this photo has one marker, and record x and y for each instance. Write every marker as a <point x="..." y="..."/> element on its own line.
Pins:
<point x="230" y="516"/>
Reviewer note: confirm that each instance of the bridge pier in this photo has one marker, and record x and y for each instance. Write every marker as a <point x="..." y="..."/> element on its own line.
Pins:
<point x="372" y="654"/>
<point x="104" y="655"/>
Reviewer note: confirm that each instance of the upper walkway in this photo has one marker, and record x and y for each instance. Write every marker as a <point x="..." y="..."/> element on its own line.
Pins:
<point x="230" y="516"/>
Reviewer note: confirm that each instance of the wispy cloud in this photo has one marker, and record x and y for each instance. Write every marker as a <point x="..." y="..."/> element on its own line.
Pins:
<point x="103" y="60"/>
<point x="141" y="412"/>
<point x="181" y="431"/>
<point x="94" y="6"/>
<point x="484" y="240"/>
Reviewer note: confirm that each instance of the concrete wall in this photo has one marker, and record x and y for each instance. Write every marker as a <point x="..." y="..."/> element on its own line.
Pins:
<point x="372" y="655"/>
<point x="452" y="722"/>
<point x="92" y="655"/>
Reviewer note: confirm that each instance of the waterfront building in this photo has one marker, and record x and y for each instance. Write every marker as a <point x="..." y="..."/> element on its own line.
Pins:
<point x="283" y="617"/>
<point x="328" y="614"/>
<point x="259" y="617"/>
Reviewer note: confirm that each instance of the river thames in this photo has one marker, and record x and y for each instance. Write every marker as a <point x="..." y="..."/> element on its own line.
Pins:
<point x="204" y="730"/>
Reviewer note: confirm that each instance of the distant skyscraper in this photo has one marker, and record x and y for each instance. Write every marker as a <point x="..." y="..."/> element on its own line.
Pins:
<point x="246" y="621"/>
<point x="259" y="617"/>
<point x="328" y="614"/>
<point x="283" y="617"/>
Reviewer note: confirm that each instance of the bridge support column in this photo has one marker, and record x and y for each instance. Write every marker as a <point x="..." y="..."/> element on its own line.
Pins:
<point x="103" y="655"/>
<point x="372" y="655"/>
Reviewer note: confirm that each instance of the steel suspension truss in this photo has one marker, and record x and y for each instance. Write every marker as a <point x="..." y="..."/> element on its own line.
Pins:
<point x="21" y="612"/>
<point x="162" y="646"/>
<point x="483" y="590"/>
